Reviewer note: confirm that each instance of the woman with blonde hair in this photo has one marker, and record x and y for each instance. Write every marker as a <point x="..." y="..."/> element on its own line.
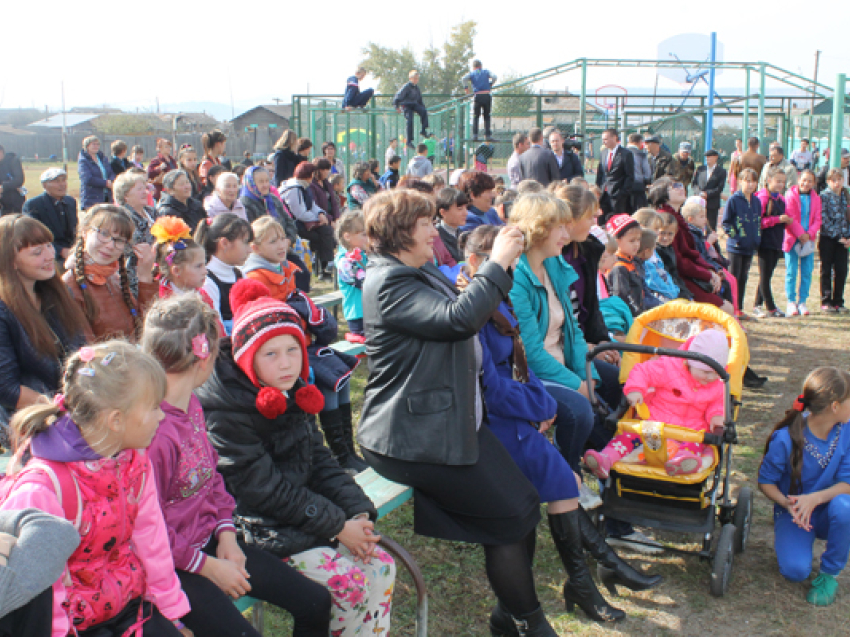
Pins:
<point x="131" y="193"/>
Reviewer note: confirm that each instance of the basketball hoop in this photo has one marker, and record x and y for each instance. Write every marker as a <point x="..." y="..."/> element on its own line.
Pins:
<point x="604" y="101"/>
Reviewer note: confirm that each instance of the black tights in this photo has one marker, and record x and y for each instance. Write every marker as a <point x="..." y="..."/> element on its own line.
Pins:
<point x="510" y="575"/>
<point x="272" y="580"/>
<point x="768" y="258"/>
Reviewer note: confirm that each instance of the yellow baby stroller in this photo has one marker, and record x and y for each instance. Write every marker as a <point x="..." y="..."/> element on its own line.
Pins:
<point x="643" y="494"/>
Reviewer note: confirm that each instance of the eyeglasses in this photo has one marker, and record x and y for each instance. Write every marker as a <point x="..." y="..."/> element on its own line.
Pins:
<point x="677" y="185"/>
<point x="104" y="237"/>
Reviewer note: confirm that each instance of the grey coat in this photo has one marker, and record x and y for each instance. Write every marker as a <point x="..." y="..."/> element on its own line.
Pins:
<point x="539" y="163"/>
<point x="419" y="403"/>
<point x="643" y="172"/>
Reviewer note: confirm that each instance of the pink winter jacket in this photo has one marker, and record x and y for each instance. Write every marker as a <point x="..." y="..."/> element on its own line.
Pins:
<point x="792" y="209"/>
<point x="673" y="395"/>
<point x="106" y="538"/>
<point x="195" y="502"/>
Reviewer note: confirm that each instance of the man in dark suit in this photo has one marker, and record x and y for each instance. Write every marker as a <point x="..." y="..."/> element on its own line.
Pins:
<point x="56" y="210"/>
<point x="569" y="165"/>
<point x="615" y="176"/>
<point x="538" y="163"/>
<point x="709" y="181"/>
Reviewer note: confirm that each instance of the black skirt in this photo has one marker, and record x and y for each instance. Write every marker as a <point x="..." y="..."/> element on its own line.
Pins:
<point x="489" y="502"/>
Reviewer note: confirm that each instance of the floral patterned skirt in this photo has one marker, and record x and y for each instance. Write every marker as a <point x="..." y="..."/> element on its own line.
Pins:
<point x="362" y="593"/>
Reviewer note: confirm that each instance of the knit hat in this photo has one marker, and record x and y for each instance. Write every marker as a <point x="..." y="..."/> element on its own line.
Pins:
<point x="711" y="343"/>
<point x="257" y="318"/>
<point x="618" y="225"/>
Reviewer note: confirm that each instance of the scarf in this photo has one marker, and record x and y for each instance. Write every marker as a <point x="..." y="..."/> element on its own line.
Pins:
<point x="505" y="328"/>
<point x="250" y="190"/>
<point x="102" y="167"/>
<point x="99" y="274"/>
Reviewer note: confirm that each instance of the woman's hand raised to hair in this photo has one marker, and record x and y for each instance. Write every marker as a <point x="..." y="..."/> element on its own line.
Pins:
<point x="508" y="246"/>
<point x="146" y="255"/>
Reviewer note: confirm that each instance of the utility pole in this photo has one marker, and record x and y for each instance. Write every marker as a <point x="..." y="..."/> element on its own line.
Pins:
<point x="814" y="84"/>
<point x="64" y="131"/>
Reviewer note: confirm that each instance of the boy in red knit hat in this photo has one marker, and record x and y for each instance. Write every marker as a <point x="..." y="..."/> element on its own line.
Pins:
<point x="626" y="277"/>
<point x="292" y="498"/>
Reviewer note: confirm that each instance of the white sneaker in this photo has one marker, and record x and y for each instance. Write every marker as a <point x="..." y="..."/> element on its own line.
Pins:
<point x="791" y="310"/>
<point x="804" y="311"/>
<point x="587" y="499"/>
<point x="637" y="541"/>
<point x="759" y="312"/>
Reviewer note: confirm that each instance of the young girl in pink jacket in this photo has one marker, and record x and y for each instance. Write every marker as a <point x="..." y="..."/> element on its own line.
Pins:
<point x="803" y="205"/>
<point x="84" y="459"/>
<point x="213" y="566"/>
<point x="679" y="392"/>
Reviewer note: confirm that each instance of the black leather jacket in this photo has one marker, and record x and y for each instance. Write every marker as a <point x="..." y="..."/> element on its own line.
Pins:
<point x="291" y="495"/>
<point x="419" y="403"/>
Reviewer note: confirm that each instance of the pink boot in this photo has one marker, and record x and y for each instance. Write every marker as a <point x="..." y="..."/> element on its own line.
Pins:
<point x="685" y="461"/>
<point x="355" y="338"/>
<point x="600" y="462"/>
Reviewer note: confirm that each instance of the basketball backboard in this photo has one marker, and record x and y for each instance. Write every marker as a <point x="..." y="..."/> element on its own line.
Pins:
<point x="688" y="47"/>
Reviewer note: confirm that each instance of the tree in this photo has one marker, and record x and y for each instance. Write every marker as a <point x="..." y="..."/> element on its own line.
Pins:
<point x="440" y="68"/>
<point x="515" y="101"/>
<point x="122" y="124"/>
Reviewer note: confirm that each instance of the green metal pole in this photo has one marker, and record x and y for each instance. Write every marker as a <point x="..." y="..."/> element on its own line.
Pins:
<point x="539" y="111"/>
<point x="837" y="122"/>
<point x="745" y="123"/>
<point x="762" y="140"/>
<point x="373" y="130"/>
<point x="346" y="140"/>
<point x="313" y="125"/>
<point x="583" y="106"/>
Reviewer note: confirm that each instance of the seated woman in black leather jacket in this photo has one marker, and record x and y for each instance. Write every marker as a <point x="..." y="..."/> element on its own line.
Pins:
<point x="424" y="420"/>
<point x="40" y="324"/>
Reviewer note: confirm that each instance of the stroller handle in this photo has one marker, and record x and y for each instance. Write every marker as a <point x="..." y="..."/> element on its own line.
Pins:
<point x="659" y="351"/>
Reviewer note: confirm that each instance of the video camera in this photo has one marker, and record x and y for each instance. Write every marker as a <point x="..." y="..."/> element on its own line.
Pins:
<point x="574" y="142"/>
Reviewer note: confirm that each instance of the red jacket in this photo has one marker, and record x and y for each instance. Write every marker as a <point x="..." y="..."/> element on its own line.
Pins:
<point x="689" y="261"/>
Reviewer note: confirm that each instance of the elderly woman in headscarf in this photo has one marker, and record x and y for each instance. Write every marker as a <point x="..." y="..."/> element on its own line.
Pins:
<point x="259" y="201"/>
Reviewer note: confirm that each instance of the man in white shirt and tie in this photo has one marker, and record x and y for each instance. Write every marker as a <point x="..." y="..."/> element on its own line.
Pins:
<point x="615" y="176"/>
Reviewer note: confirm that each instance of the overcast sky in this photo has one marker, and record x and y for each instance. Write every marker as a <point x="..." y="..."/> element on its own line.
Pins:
<point x="128" y="54"/>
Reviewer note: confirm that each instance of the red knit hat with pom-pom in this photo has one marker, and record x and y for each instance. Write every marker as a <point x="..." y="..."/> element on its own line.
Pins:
<point x="257" y="318"/>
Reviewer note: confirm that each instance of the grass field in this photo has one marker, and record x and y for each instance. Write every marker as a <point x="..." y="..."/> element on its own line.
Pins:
<point x="759" y="601"/>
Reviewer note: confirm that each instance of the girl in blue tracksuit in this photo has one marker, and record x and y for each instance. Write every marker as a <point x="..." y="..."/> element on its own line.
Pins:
<point x="806" y="472"/>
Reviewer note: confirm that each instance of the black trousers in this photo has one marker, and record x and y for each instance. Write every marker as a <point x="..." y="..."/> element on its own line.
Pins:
<point x="768" y="258"/>
<point x="639" y="200"/>
<point x="302" y="278"/>
<point x="482" y="103"/>
<point x="33" y="619"/>
<point x="321" y="240"/>
<point x="157" y="624"/>
<point x="409" y="111"/>
<point x="739" y="267"/>
<point x="213" y="613"/>
<point x="362" y="98"/>
<point x="833" y="271"/>
<point x="711" y="212"/>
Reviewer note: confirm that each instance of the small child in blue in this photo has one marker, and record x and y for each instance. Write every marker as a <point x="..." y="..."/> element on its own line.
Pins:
<point x="351" y="264"/>
<point x="806" y="472"/>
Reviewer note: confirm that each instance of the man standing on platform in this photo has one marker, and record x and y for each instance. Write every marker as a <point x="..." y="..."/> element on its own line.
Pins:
<point x="409" y="100"/>
<point x="482" y="82"/>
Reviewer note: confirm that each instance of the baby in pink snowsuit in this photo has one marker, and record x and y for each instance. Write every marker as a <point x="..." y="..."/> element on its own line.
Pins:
<point x="678" y="392"/>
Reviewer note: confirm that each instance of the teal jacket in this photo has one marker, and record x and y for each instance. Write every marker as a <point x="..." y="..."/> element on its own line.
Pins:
<point x="531" y="304"/>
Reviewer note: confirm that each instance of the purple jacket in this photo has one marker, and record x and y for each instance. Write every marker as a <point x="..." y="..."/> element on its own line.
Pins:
<point x="320" y="196"/>
<point x="194" y="501"/>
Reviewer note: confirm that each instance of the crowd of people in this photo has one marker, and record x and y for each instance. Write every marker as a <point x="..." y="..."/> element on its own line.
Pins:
<point x="477" y="304"/>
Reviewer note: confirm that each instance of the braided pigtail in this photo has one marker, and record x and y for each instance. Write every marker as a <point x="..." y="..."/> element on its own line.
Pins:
<point x="89" y="306"/>
<point x="129" y="301"/>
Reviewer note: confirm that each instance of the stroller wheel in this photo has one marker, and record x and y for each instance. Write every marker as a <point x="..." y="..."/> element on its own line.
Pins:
<point x="742" y="517"/>
<point x="721" y="568"/>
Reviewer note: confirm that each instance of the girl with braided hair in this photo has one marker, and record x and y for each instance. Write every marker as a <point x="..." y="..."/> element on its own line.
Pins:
<point x="806" y="472"/>
<point x="97" y="274"/>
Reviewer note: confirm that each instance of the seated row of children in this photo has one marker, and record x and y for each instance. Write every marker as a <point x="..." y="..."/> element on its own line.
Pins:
<point x="193" y="472"/>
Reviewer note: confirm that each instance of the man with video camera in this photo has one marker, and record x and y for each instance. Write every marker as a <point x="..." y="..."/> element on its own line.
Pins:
<point x="569" y="164"/>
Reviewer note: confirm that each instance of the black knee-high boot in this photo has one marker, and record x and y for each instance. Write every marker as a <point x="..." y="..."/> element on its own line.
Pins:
<point x="579" y="588"/>
<point x="332" y="426"/>
<point x="611" y="568"/>
<point x="503" y="624"/>
<point x="354" y="462"/>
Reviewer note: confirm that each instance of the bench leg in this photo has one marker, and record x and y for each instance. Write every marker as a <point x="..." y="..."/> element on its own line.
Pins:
<point x="258" y="616"/>
<point x="398" y="552"/>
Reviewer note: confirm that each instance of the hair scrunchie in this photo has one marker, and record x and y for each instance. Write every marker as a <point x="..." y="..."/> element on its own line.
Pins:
<point x="799" y="403"/>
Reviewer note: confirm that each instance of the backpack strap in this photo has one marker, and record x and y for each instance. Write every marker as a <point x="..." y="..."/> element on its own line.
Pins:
<point x="60" y="478"/>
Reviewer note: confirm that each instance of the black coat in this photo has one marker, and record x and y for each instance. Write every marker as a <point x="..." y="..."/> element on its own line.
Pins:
<point x="285" y="162"/>
<point x="419" y="403"/>
<point x="191" y="212"/>
<point x="712" y="187"/>
<point x="594" y="328"/>
<point x="22" y="364"/>
<point x="254" y="209"/>
<point x="450" y="241"/>
<point x="119" y="165"/>
<point x="60" y="218"/>
<point x="408" y="95"/>
<point x="619" y="180"/>
<point x="11" y="178"/>
<point x="571" y="166"/>
<point x="291" y="495"/>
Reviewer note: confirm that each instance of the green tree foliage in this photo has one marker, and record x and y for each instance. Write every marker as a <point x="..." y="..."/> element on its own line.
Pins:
<point x="514" y="101"/>
<point x="440" y="67"/>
